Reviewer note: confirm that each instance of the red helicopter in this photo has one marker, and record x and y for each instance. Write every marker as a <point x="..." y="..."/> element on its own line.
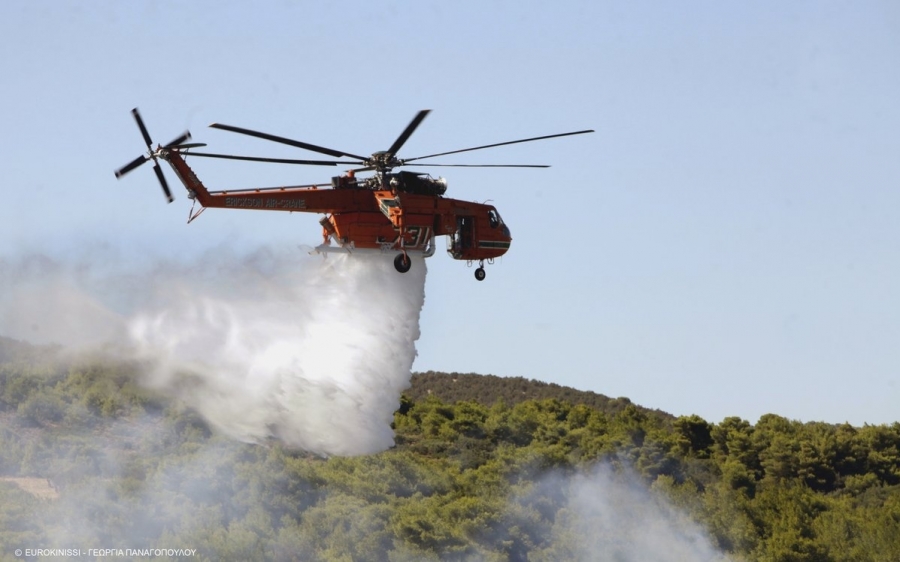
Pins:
<point x="392" y="212"/>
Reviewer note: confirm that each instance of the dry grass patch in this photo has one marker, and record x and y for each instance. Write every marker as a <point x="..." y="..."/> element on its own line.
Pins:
<point x="38" y="487"/>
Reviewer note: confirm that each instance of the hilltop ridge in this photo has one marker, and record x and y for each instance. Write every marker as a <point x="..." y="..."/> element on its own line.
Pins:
<point x="490" y="389"/>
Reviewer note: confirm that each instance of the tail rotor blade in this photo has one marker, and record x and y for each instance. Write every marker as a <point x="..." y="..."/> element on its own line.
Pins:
<point x="140" y="122"/>
<point x="152" y="155"/>
<point x="184" y="136"/>
<point x="162" y="181"/>
<point x="130" y="166"/>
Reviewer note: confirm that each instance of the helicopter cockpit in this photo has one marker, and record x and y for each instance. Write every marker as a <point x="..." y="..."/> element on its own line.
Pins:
<point x="463" y="239"/>
<point x="495" y="221"/>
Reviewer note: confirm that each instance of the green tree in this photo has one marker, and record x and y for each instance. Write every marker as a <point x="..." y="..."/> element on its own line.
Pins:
<point x="694" y="436"/>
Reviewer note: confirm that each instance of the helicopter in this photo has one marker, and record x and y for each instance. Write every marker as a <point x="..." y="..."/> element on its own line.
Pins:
<point x="398" y="212"/>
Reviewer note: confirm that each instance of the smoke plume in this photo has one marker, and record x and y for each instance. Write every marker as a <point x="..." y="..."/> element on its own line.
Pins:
<point x="602" y="514"/>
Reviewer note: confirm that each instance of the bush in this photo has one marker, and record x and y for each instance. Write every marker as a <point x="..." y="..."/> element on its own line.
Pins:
<point x="42" y="408"/>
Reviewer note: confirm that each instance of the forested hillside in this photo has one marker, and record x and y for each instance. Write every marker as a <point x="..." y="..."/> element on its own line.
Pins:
<point x="489" y="389"/>
<point x="90" y="459"/>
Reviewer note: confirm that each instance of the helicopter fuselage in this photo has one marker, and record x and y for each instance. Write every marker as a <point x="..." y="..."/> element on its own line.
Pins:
<point x="360" y="215"/>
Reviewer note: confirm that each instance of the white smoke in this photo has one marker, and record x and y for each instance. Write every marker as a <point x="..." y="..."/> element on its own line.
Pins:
<point x="276" y="344"/>
<point x="604" y="515"/>
<point x="45" y="301"/>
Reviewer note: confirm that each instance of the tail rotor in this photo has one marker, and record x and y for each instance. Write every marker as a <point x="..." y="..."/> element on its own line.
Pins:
<point x="152" y="155"/>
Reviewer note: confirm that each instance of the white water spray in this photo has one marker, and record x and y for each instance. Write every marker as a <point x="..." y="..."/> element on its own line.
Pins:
<point x="314" y="355"/>
<point x="310" y="351"/>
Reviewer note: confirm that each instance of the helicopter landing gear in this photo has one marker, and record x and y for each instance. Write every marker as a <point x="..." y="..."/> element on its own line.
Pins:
<point x="479" y="272"/>
<point x="402" y="263"/>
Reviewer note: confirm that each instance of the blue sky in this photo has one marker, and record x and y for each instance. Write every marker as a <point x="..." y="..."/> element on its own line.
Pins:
<point x="726" y="243"/>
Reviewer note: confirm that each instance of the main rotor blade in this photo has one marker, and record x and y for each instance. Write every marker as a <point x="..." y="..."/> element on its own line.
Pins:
<point x="140" y="122"/>
<point x="291" y="142"/>
<point x="184" y="136"/>
<point x="162" y="182"/>
<point x="275" y="160"/>
<point x="131" y="165"/>
<point x="486" y="165"/>
<point x="417" y="120"/>
<point x="279" y="189"/>
<point x="498" y="144"/>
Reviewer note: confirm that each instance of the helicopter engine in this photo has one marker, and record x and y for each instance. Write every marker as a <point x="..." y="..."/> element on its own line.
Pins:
<point x="440" y="185"/>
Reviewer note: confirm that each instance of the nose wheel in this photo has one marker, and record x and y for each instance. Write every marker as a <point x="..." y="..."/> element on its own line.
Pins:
<point x="480" y="273"/>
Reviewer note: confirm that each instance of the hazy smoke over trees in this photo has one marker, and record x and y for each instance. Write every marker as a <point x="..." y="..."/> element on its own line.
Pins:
<point x="599" y="514"/>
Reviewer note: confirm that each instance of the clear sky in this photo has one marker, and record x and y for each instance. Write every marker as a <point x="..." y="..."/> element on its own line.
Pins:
<point x="726" y="243"/>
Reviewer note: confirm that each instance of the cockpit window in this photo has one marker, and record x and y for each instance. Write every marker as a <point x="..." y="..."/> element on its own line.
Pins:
<point x="493" y="218"/>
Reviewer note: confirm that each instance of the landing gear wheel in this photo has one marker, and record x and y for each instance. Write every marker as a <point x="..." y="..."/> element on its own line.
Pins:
<point x="402" y="263"/>
<point x="480" y="274"/>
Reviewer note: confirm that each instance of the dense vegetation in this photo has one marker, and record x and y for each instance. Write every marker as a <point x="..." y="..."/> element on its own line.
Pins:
<point x="489" y="389"/>
<point x="481" y="480"/>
